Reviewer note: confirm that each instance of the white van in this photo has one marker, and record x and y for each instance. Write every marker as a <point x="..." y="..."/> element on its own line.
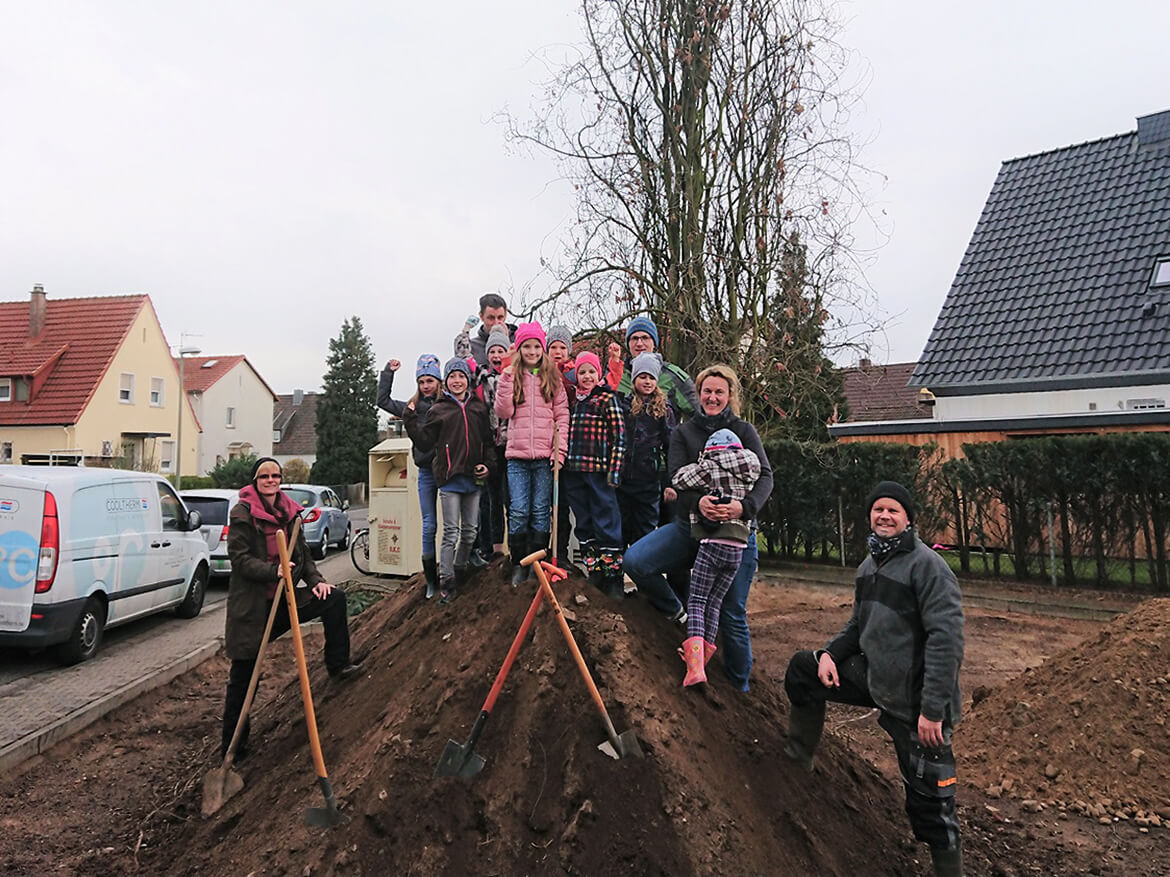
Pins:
<point x="85" y="549"/>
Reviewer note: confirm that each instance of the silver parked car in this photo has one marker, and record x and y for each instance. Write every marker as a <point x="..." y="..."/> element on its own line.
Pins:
<point x="214" y="505"/>
<point x="325" y="519"/>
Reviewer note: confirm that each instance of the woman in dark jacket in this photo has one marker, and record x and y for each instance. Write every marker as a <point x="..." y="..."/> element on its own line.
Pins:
<point x="262" y="511"/>
<point x="459" y="433"/>
<point x="428" y="380"/>
<point x="672" y="546"/>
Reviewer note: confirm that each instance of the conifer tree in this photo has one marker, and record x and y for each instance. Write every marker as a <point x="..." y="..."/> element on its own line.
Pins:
<point x="347" y="419"/>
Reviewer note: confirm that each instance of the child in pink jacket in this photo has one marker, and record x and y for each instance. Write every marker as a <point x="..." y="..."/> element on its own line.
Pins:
<point x="531" y="397"/>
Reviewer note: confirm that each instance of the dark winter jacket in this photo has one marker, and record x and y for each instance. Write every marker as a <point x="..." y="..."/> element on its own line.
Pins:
<point x="252" y="577"/>
<point x="459" y="435"/>
<point x="597" y="435"/>
<point x="422" y="459"/>
<point x="675" y="384"/>
<point x="647" y="441"/>
<point x="687" y="442"/>
<point x="908" y="622"/>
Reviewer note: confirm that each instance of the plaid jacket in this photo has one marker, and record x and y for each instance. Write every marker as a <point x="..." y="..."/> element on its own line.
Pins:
<point x="487" y="381"/>
<point x="730" y="472"/>
<point x="597" y="435"/>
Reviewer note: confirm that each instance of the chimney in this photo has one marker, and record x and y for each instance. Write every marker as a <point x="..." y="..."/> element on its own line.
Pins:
<point x="36" y="311"/>
<point x="298" y="397"/>
<point x="865" y="362"/>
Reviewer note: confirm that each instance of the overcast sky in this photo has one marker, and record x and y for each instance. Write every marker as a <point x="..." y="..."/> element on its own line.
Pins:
<point x="266" y="169"/>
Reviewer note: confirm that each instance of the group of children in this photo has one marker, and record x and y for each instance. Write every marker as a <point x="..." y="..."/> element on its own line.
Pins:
<point x="501" y="434"/>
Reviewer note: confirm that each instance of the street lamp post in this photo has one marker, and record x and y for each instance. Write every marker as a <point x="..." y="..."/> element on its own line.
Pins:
<point x="184" y="352"/>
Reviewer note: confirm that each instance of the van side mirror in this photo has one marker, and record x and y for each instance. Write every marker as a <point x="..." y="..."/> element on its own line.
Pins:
<point x="194" y="520"/>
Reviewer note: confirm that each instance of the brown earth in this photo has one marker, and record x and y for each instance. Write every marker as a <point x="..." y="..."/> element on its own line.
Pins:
<point x="712" y="794"/>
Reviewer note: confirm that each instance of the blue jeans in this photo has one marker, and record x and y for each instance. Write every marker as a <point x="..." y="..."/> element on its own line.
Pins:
<point x="671" y="547"/>
<point x="428" y="493"/>
<point x="530" y="489"/>
<point x="595" y="509"/>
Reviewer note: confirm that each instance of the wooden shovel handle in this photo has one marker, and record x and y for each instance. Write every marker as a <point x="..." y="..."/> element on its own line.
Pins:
<point x="299" y="648"/>
<point x="551" y="597"/>
<point x="255" y="681"/>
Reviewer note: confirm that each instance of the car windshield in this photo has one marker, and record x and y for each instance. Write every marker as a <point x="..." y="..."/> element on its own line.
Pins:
<point x="304" y="498"/>
<point x="212" y="509"/>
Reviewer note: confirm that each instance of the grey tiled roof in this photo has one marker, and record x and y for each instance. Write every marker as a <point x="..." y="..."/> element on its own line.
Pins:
<point x="1052" y="288"/>
<point x="297" y="424"/>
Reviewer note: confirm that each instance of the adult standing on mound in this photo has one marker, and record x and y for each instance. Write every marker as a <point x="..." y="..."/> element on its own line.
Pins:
<point x="675" y="384"/>
<point x="900" y="652"/>
<point x="493" y="311"/>
<point x="262" y="511"/>
<point x="672" y="547"/>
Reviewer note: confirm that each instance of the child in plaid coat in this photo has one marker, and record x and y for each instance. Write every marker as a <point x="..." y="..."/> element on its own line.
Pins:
<point x="593" y="470"/>
<point x="728" y="471"/>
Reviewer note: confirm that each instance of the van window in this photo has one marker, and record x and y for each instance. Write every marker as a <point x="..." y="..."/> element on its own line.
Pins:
<point x="213" y="509"/>
<point x="170" y="507"/>
<point x="304" y="498"/>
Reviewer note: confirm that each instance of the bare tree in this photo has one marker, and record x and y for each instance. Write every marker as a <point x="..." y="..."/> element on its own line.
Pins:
<point x="705" y="140"/>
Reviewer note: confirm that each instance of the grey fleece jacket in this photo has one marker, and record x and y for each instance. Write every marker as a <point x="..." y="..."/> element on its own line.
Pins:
<point x="908" y="621"/>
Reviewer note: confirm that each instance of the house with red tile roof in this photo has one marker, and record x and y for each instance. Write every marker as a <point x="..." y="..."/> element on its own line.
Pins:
<point x="91" y="380"/>
<point x="234" y="405"/>
<point x="294" y="427"/>
<point x="879" y="392"/>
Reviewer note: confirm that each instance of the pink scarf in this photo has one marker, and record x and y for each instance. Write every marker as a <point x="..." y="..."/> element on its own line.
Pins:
<point x="270" y="522"/>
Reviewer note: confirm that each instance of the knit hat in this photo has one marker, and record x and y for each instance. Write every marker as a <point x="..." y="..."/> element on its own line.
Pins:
<point x="456" y="364"/>
<point x="528" y="332"/>
<point x="497" y="337"/>
<point x="647" y="364"/>
<point x="642" y="324"/>
<point x="895" y="491"/>
<point x="428" y="366"/>
<point x="589" y="358"/>
<point x="722" y="438"/>
<point x="562" y="334"/>
<point x="260" y="462"/>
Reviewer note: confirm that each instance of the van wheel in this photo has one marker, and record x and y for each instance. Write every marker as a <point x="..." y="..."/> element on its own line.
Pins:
<point x="319" y="551"/>
<point x="86" y="635"/>
<point x="192" y="604"/>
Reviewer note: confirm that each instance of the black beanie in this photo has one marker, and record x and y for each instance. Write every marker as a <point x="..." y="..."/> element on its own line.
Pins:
<point x="895" y="491"/>
<point x="256" y="467"/>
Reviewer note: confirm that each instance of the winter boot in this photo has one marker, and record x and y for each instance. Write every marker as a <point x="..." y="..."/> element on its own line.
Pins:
<point x="708" y="652"/>
<point x="431" y="573"/>
<point x="692" y="648"/>
<point x="538" y="541"/>
<point x="447" y="591"/>
<point x="518" y="545"/>
<point x="947" y="862"/>
<point x="613" y="586"/>
<point x="805" y="724"/>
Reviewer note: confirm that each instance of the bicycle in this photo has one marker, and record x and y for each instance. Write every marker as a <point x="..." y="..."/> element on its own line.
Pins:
<point x="359" y="551"/>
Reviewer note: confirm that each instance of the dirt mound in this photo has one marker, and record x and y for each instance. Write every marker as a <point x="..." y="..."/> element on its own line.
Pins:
<point x="713" y="794"/>
<point x="1087" y="730"/>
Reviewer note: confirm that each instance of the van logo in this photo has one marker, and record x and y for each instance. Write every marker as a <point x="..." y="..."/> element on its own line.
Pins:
<point x="9" y="506"/>
<point x="145" y="505"/>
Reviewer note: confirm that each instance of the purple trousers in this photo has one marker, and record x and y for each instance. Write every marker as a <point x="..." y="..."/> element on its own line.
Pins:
<point x="715" y="567"/>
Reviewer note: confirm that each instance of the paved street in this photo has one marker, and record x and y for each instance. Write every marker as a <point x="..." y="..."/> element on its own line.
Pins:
<point x="44" y="702"/>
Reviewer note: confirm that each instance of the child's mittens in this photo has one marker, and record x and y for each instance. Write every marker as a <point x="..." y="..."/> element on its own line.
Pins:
<point x="470" y="323"/>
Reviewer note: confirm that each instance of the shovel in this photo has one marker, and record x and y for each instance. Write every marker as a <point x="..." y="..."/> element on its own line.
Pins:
<point x="556" y="494"/>
<point x="463" y="761"/>
<point x="617" y="745"/>
<point x="223" y="783"/>
<point x="328" y="815"/>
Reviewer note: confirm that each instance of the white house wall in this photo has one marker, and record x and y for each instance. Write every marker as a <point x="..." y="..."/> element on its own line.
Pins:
<point x="241" y="390"/>
<point x="990" y="406"/>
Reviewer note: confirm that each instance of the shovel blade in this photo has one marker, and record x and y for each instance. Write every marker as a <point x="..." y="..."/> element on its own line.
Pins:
<point x="324" y="817"/>
<point x="218" y="786"/>
<point x="458" y="761"/>
<point x="627" y="743"/>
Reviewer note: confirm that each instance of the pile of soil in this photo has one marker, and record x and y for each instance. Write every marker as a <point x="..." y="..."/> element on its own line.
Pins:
<point x="1086" y="731"/>
<point x="712" y="794"/>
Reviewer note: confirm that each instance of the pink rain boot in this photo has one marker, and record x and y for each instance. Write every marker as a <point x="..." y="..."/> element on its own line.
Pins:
<point x="693" y="654"/>
<point x="708" y="652"/>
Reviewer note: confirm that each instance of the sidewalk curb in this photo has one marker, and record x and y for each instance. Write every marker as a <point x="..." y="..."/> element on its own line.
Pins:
<point x="39" y="741"/>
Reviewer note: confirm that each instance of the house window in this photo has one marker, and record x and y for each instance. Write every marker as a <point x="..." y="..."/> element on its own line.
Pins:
<point x="1161" y="272"/>
<point x="231" y="418"/>
<point x="5" y="389"/>
<point x="5" y="452"/>
<point x="22" y="388"/>
<point x="156" y="392"/>
<point x="126" y="389"/>
<point x="166" y="459"/>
